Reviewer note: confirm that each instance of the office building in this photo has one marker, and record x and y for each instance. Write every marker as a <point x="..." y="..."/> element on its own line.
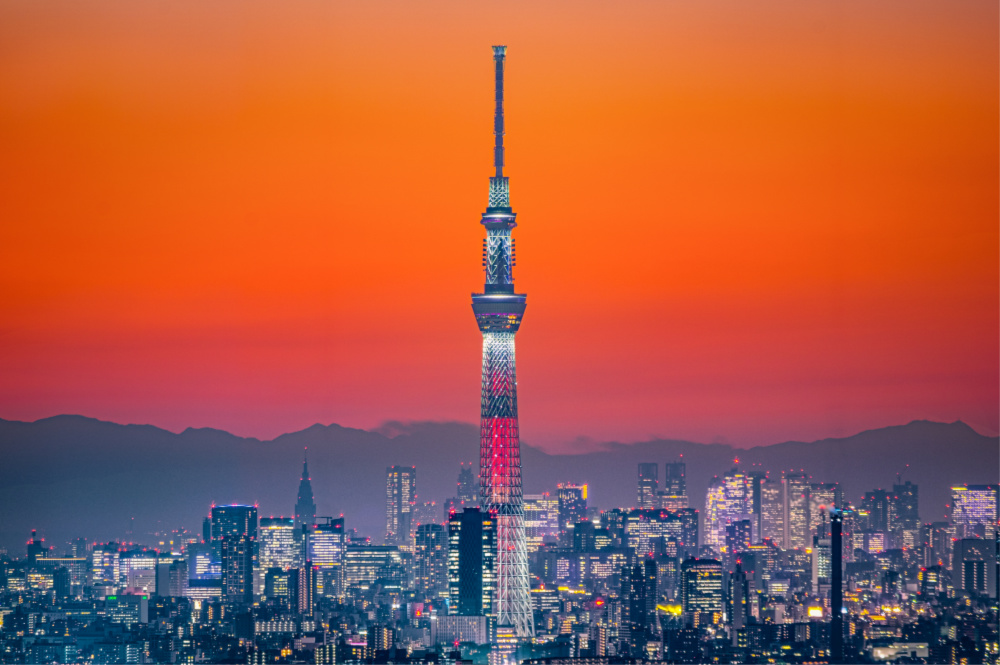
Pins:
<point x="400" y="496"/>
<point x="974" y="510"/>
<point x="541" y="519"/>
<point x="797" y="535"/>
<point x="325" y="549"/>
<point x="468" y="485"/>
<point x="472" y="552"/>
<point x="648" y="485"/>
<point x="701" y="592"/>
<point x="823" y="497"/>
<point x="772" y="510"/>
<point x="975" y="562"/>
<point x="278" y="546"/>
<point x="431" y="560"/>
<point x="572" y="505"/>
<point x="674" y="481"/>
<point x="234" y="539"/>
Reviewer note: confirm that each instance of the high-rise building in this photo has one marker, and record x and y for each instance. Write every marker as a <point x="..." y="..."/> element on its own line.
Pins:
<point x="305" y="505"/>
<point x="472" y="553"/>
<point x="821" y="563"/>
<point x="974" y="510"/>
<point x="739" y="537"/>
<point x="400" y="496"/>
<point x="325" y="549"/>
<point x="823" y="497"/>
<point x="701" y="592"/>
<point x="674" y="482"/>
<point x="728" y="500"/>
<point x="648" y="484"/>
<point x="756" y="479"/>
<point x="797" y="488"/>
<point x="282" y="587"/>
<point x="498" y="312"/>
<point x="278" y="547"/>
<point x="635" y="608"/>
<point x="234" y="537"/>
<point x="939" y="544"/>
<point x="541" y="518"/>
<point x="905" y="505"/>
<point x="772" y="511"/>
<point x="739" y="601"/>
<point x="306" y="595"/>
<point x="427" y="512"/>
<point x="975" y="566"/>
<point x="836" y="587"/>
<point x="572" y="504"/>
<point x="876" y="504"/>
<point x="431" y="560"/>
<point x="468" y="485"/>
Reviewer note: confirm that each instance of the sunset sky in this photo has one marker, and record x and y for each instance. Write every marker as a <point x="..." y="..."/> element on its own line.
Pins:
<point x="738" y="221"/>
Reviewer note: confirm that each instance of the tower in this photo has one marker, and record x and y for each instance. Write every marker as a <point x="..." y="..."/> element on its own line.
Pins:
<point x="305" y="506"/>
<point x="498" y="312"/>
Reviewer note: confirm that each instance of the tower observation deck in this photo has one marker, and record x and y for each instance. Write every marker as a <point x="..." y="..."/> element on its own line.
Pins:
<point x="498" y="310"/>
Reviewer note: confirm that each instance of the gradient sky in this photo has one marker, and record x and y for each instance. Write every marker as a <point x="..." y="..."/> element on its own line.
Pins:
<point x="743" y="222"/>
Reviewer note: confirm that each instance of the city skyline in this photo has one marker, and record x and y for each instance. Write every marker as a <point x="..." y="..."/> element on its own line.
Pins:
<point x="785" y="257"/>
<point x="760" y="388"/>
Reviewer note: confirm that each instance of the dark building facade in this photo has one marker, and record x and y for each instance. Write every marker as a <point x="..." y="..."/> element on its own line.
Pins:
<point x="472" y="550"/>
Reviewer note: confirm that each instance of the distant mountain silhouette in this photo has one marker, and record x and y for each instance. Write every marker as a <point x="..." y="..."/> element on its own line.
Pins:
<point x="73" y="476"/>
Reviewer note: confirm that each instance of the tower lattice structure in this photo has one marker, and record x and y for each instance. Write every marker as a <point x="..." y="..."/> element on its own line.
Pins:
<point x="498" y="312"/>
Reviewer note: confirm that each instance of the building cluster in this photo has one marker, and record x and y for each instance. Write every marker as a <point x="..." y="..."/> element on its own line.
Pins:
<point x="750" y="578"/>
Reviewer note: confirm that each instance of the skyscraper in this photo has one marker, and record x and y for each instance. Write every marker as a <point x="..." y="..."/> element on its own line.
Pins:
<point x="701" y="591"/>
<point x="400" y="496"/>
<point x="498" y="312"/>
<point x="325" y="550"/>
<point x="674" y="483"/>
<point x="541" y="518"/>
<point x="634" y="607"/>
<point x="647" y="485"/>
<point x="973" y="510"/>
<point x="431" y="560"/>
<point x="727" y="501"/>
<point x="472" y="554"/>
<point x="234" y="535"/>
<point x="305" y="505"/>
<point x="876" y="503"/>
<point x="467" y="485"/>
<point x="822" y="497"/>
<point x="572" y="504"/>
<point x="836" y="586"/>
<point x="278" y="548"/>
<point x="772" y="511"/>
<point x="975" y="566"/>
<point x="797" y="487"/>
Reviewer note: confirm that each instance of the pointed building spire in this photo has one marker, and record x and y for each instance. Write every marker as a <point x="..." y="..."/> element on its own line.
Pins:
<point x="305" y="506"/>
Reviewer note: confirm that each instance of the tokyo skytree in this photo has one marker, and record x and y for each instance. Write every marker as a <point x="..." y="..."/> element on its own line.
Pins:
<point x="498" y="312"/>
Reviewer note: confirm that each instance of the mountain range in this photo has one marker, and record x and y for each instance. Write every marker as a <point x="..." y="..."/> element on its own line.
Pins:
<point x="71" y="476"/>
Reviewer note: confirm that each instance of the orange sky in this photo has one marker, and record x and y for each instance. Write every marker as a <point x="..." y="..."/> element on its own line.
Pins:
<point x="746" y="222"/>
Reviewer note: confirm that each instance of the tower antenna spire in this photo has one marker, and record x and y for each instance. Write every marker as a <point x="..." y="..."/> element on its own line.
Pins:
<point x="499" y="57"/>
